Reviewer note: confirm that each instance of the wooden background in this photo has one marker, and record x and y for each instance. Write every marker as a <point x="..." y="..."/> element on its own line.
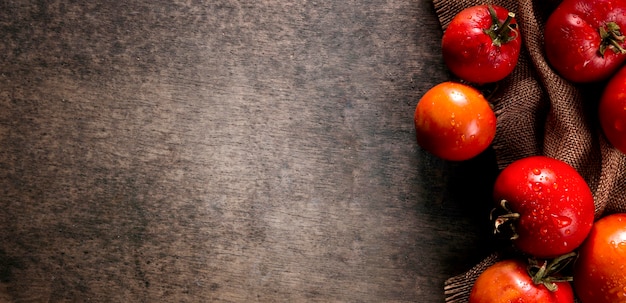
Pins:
<point x="227" y="151"/>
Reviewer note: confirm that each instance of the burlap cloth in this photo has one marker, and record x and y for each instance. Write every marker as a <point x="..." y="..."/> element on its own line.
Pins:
<point x="540" y="113"/>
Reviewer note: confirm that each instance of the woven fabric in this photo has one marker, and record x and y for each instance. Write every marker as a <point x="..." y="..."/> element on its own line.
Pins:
<point x="540" y="113"/>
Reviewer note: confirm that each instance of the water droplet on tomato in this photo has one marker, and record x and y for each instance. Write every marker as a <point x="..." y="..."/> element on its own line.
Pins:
<point x="555" y="185"/>
<point x="561" y="221"/>
<point x="536" y="171"/>
<point x="537" y="186"/>
<point x="544" y="230"/>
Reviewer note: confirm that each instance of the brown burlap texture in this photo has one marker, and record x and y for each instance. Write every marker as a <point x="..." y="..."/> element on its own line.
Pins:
<point x="540" y="113"/>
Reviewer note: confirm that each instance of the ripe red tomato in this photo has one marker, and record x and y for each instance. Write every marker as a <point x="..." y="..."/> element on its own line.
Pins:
<point x="509" y="281"/>
<point x="600" y="271"/>
<point x="583" y="39"/>
<point x="454" y="121"/>
<point x="551" y="206"/>
<point x="612" y="111"/>
<point x="482" y="44"/>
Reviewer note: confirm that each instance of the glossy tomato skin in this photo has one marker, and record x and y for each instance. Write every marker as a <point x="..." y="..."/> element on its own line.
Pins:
<point x="600" y="270"/>
<point x="453" y="121"/>
<point x="612" y="111"/>
<point x="471" y="54"/>
<point x="508" y="281"/>
<point x="572" y="39"/>
<point x="554" y="202"/>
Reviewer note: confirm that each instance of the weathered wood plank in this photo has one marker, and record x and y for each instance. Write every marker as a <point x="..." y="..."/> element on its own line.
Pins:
<point x="194" y="151"/>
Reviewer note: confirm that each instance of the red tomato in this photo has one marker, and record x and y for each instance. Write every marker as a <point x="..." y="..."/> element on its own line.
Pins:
<point x="552" y="204"/>
<point x="583" y="40"/>
<point x="612" y="111"/>
<point x="509" y="281"/>
<point x="454" y="121"/>
<point x="600" y="271"/>
<point x="482" y="44"/>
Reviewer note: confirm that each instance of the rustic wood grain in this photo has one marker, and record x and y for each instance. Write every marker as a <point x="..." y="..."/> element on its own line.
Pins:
<point x="227" y="151"/>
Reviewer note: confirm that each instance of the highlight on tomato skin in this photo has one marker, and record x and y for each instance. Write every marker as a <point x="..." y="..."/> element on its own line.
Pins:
<point x="454" y="121"/>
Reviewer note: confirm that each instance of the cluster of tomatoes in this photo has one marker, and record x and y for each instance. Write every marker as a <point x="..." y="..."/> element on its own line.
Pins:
<point x="542" y="204"/>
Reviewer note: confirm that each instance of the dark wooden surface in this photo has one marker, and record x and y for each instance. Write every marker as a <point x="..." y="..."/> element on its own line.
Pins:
<point x="227" y="151"/>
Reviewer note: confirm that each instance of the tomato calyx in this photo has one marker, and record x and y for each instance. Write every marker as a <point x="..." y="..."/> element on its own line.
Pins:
<point x="504" y="220"/>
<point x="500" y="32"/>
<point x="546" y="272"/>
<point x="611" y="37"/>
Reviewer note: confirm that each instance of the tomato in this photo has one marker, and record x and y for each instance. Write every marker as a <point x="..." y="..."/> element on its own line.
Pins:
<point x="482" y="44"/>
<point x="550" y="206"/>
<point x="509" y="281"/>
<point x="600" y="271"/>
<point x="454" y="121"/>
<point x="583" y="39"/>
<point x="612" y="110"/>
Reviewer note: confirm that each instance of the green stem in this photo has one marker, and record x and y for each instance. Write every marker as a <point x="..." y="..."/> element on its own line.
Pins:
<point x="506" y="219"/>
<point x="547" y="273"/>
<point x="611" y="37"/>
<point x="500" y="32"/>
<point x="504" y="28"/>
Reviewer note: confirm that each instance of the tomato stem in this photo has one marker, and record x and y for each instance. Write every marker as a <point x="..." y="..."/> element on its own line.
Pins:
<point x="611" y="37"/>
<point x="506" y="25"/>
<point x="506" y="219"/>
<point x="500" y="32"/>
<point x="547" y="273"/>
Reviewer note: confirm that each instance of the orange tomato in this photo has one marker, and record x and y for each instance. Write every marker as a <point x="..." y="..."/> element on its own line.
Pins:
<point x="454" y="121"/>
<point x="509" y="281"/>
<point x="600" y="271"/>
